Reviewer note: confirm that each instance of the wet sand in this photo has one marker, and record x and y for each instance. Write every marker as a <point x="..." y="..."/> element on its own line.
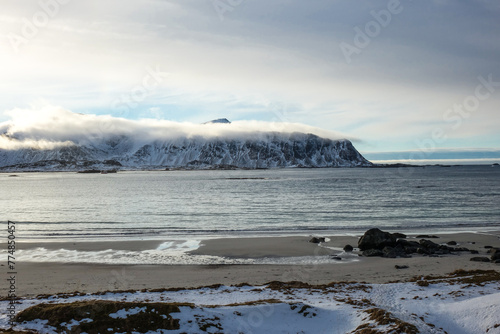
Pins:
<point x="53" y="277"/>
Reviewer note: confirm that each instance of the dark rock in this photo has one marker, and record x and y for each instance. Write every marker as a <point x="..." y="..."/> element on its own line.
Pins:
<point x="393" y="252"/>
<point x="426" y="236"/>
<point x="399" y="235"/>
<point x="488" y="246"/>
<point x="496" y="261"/>
<point x="495" y="255"/>
<point x="480" y="259"/>
<point x="348" y="248"/>
<point x="407" y="243"/>
<point x="443" y="250"/>
<point x="338" y="258"/>
<point x="444" y="247"/>
<point x="372" y="252"/>
<point x="411" y="250"/>
<point x="460" y="249"/>
<point x="389" y="252"/>
<point x="315" y="240"/>
<point x="474" y="251"/>
<point x="409" y="247"/>
<point x="401" y="267"/>
<point x="451" y="243"/>
<point x="376" y="239"/>
<point x="423" y="251"/>
<point x="492" y="250"/>
<point x="428" y="244"/>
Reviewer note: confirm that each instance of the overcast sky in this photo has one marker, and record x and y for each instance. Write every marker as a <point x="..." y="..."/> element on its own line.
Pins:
<point x="420" y="76"/>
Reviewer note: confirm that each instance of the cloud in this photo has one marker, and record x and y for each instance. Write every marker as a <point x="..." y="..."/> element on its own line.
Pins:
<point x="51" y="127"/>
<point x="423" y="62"/>
<point x="14" y="144"/>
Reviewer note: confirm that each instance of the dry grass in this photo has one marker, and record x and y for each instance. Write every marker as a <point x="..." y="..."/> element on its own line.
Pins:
<point x="252" y="303"/>
<point x="473" y="277"/>
<point x="382" y="317"/>
<point x="363" y="303"/>
<point x="156" y="316"/>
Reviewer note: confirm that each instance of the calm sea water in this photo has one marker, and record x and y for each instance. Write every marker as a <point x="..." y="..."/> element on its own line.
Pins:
<point x="182" y="204"/>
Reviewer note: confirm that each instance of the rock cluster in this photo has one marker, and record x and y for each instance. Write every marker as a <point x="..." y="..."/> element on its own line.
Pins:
<point x="316" y="240"/>
<point x="494" y="257"/>
<point x="379" y="243"/>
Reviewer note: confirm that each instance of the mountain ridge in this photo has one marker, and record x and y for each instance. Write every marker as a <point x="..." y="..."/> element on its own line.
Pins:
<point x="265" y="150"/>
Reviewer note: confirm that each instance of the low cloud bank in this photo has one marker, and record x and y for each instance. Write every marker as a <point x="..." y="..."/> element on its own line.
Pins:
<point x="52" y="127"/>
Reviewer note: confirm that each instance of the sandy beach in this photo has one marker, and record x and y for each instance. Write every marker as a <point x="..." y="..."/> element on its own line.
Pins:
<point x="55" y="277"/>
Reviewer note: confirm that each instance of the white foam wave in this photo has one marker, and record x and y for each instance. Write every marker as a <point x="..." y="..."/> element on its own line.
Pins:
<point x="166" y="256"/>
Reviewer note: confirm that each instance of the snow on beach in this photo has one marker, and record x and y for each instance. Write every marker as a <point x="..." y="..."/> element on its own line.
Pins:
<point x="464" y="302"/>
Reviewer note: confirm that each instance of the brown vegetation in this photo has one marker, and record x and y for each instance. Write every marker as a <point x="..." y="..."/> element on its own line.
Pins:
<point x="156" y="316"/>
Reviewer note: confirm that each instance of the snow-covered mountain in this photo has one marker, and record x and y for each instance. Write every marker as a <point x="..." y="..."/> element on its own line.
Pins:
<point x="272" y="150"/>
<point x="216" y="144"/>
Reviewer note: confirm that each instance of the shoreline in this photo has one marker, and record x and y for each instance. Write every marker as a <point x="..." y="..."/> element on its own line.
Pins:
<point x="333" y="233"/>
<point x="93" y="277"/>
<point x="373" y="165"/>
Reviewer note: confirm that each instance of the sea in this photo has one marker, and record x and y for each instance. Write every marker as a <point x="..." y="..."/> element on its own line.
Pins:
<point x="181" y="208"/>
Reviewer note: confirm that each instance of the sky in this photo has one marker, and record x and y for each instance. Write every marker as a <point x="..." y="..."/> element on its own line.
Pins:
<point x="404" y="80"/>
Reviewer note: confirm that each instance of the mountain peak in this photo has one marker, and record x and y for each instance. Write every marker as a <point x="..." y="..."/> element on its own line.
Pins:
<point x="219" y="120"/>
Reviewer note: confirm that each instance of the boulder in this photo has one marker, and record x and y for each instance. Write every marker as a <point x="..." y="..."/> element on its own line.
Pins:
<point x="460" y="249"/>
<point x="426" y="236"/>
<point x="389" y="252"/>
<point x="480" y="259"/>
<point x="372" y="252"/>
<point x="399" y="235"/>
<point x="442" y="250"/>
<point x="315" y="240"/>
<point x="429" y="245"/>
<point x="409" y="247"/>
<point x="376" y="239"/>
<point x="424" y="251"/>
<point x="398" y="251"/>
<point x="473" y="251"/>
<point x="495" y="255"/>
<point x="348" y="248"/>
<point x="451" y="243"/>
<point x="401" y="267"/>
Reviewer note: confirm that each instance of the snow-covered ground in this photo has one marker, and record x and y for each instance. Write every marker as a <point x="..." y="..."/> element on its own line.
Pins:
<point x="451" y="305"/>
